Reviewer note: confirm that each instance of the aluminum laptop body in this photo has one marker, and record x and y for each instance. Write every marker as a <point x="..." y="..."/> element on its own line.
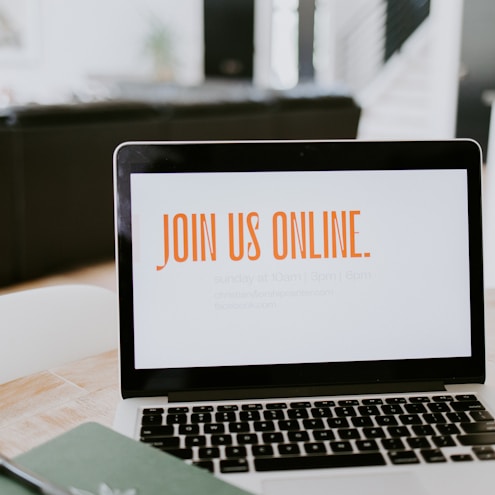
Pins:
<point x="274" y="290"/>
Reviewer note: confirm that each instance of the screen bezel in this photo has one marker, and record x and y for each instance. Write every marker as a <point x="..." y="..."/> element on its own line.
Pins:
<point x="211" y="157"/>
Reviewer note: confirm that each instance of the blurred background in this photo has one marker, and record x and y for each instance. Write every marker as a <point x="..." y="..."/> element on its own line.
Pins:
<point x="85" y="75"/>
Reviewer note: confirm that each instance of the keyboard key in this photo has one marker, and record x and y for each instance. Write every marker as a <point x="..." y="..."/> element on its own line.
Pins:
<point x="201" y="417"/>
<point x="418" y="443"/>
<point x="403" y="457"/>
<point x="235" y="452"/>
<point x="208" y="465"/>
<point x="178" y="410"/>
<point x="180" y="453"/>
<point x="273" y="437"/>
<point x="234" y="466"/>
<point x="262" y="450"/>
<point x="198" y="441"/>
<point x="173" y="419"/>
<point x="343" y="446"/>
<point x="481" y="416"/>
<point x="157" y="431"/>
<point x="233" y="407"/>
<point x="484" y="453"/>
<point x="251" y="407"/>
<point x="221" y="440"/>
<point x="288" y="449"/>
<point x="464" y="406"/>
<point x="433" y="455"/>
<point x="445" y="441"/>
<point x="264" y="426"/>
<point x="239" y="427"/>
<point x="152" y="419"/>
<point x="298" y="436"/>
<point x="323" y="435"/>
<point x="188" y="429"/>
<point x="247" y="438"/>
<point x="315" y="448"/>
<point x="214" y="428"/>
<point x="366" y="445"/>
<point x="249" y="416"/>
<point x="277" y="405"/>
<point x="348" y="433"/>
<point x="478" y="427"/>
<point x="477" y="439"/>
<point x="374" y="432"/>
<point x="319" y="462"/>
<point x="208" y="452"/>
<point x="153" y="410"/>
<point x="202" y="409"/>
<point x="393" y="444"/>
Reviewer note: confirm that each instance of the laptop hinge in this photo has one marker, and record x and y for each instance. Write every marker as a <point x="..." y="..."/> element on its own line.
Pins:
<point x="279" y="392"/>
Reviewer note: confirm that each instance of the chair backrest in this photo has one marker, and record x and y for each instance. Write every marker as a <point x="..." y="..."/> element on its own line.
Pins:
<point x="48" y="327"/>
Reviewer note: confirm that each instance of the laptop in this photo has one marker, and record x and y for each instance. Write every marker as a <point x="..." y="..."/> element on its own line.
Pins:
<point x="306" y="316"/>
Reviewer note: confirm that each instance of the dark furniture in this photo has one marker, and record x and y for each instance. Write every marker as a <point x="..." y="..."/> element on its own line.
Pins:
<point x="56" y="184"/>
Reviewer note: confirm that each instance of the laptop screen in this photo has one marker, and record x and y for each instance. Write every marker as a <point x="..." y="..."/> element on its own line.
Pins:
<point x="339" y="258"/>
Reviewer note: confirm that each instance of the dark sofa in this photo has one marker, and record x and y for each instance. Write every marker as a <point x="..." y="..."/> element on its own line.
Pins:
<point x="56" y="192"/>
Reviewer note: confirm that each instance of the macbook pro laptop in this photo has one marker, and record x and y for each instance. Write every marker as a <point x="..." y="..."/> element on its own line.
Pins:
<point x="306" y="317"/>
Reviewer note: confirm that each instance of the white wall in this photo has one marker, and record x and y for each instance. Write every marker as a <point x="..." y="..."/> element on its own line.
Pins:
<point x="77" y="39"/>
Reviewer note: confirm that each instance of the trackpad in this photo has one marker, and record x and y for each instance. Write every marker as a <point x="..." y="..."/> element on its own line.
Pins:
<point x="371" y="484"/>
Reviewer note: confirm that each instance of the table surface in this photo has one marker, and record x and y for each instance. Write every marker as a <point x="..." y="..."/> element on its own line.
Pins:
<point x="38" y="407"/>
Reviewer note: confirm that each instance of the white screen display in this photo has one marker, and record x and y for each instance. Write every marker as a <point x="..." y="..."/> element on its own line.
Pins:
<point x="299" y="267"/>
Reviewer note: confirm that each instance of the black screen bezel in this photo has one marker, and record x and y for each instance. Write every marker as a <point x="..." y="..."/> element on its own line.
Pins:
<point x="281" y="156"/>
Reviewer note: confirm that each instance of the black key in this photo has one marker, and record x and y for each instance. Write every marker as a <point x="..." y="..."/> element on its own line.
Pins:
<point x="345" y="412"/>
<point x="153" y="410"/>
<point x="298" y="436"/>
<point x="433" y="455"/>
<point x="374" y="432"/>
<point x="323" y="435"/>
<point x="188" y="429"/>
<point x="348" y="402"/>
<point x="157" y="431"/>
<point x="478" y="427"/>
<point x="251" y="407"/>
<point x="297" y="414"/>
<point x="226" y="416"/>
<point x="461" y="457"/>
<point x="368" y="410"/>
<point x="151" y="419"/>
<point x="419" y="400"/>
<point x="276" y="405"/>
<point x="439" y="407"/>
<point x="232" y="407"/>
<point x="392" y="409"/>
<point x="319" y="461"/>
<point x="349" y="433"/>
<point x="415" y="408"/>
<point x="315" y="448"/>
<point x="288" y="449"/>
<point x="249" y="415"/>
<point x="419" y="443"/>
<point x="324" y="403"/>
<point x="393" y="444"/>
<point x="239" y="427"/>
<point x="372" y="402"/>
<point x="208" y="452"/>
<point x="481" y="416"/>
<point x="386" y="421"/>
<point x="201" y="417"/>
<point x="199" y="441"/>
<point x="343" y="446"/>
<point x="338" y="422"/>
<point x="448" y="429"/>
<point x="235" y="452"/>
<point x="443" y="398"/>
<point x="313" y="424"/>
<point x="221" y="440"/>
<point x="410" y="419"/>
<point x="444" y="441"/>
<point x="273" y="437"/>
<point x="234" y="466"/>
<point x="423" y="430"/>
<point x="366" y="445"/>
<point x="466" y="397"/>
<point x="435" y="418"/>
<point x="264" y="426"/>
<point x="398" y="431"/>
<point x="208" y="465"/>
<point x="484" y="453"/>
<point x="177" y="410"/>
<point x="361" y="421"/>
<point x="173" y="419"/>
<point x="247" y="438"/>
<point x="290" y="424"/>
<point x="300" y="405"/>
<point x="467" y="406"/>
<point x="214" y="428"/>
<point x="403" y="457"/>
<point x="180" y="453"/>
<point x="458" y="417"/>
<point x="274" y="414"/>
<point x="395" y="400"/>
<point x="202" y="409"/>
<point x="477" y="439"/>
<point x="321" y="412"/>
<point x="262" y="450"/>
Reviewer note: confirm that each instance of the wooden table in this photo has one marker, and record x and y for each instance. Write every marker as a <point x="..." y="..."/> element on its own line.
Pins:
<point x="36" y="408"/>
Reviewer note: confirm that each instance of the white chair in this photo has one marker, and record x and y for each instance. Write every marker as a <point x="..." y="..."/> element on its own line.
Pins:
<point x="48" y="327"/>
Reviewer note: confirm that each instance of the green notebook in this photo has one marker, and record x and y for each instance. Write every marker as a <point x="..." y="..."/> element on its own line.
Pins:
<point x="94" y="460"/>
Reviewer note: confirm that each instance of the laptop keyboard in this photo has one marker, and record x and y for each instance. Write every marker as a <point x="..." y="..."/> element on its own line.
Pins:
<point x="311" y="434"/>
